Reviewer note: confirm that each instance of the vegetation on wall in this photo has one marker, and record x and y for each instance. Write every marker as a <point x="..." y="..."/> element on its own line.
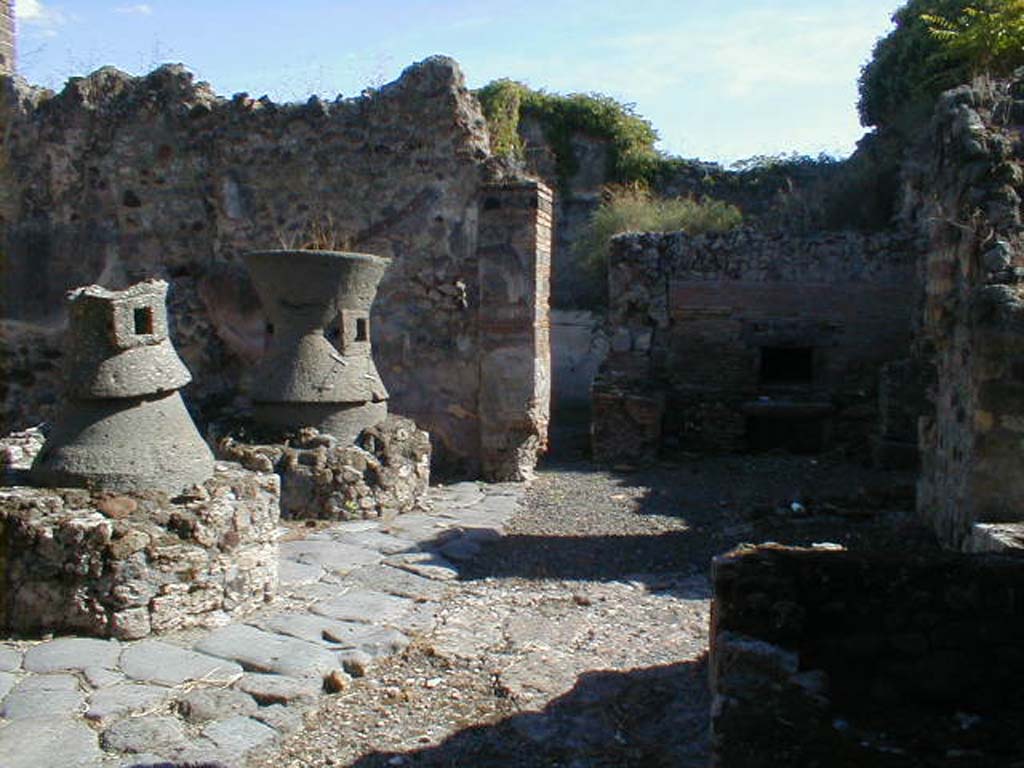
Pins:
<point x="633" y="208"/>
<point x="631" y="156"/>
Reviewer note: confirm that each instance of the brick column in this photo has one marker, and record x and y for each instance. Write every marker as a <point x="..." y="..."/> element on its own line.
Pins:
<point x="514" y="251"/>
<point x="6" y="37"/>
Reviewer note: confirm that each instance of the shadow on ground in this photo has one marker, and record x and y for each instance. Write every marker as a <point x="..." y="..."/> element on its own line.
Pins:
<point x="651" y="718"/>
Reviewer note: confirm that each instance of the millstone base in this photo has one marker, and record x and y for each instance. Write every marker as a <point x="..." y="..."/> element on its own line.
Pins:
<point x="322" y="478"/>
<point x="343" y="421"/>
<point x="138" y="445"/>
<point x="128" y="566"/>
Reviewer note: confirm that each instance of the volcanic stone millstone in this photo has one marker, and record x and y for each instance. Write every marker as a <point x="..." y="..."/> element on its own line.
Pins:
<point x="319" y="370"/>
<point x="124" y="426"/>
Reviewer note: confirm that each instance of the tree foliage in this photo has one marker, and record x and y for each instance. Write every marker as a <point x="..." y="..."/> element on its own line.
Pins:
<point x="908" y="68"/>
<point x="936" y="45"/>
<point x="988" y="36"/>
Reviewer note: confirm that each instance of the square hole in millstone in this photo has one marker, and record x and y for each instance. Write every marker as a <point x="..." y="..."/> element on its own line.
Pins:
<point x="143" y="318"/>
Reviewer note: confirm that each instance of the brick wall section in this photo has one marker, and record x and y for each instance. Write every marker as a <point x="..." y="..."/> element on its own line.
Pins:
<point x="7" y="48"/>
<point x="691" y="317"/>
<point x="823" y="657"/>
<point x="964" y="194"/>
<point x="514" y="250"/>
<point x="120" y="178"/>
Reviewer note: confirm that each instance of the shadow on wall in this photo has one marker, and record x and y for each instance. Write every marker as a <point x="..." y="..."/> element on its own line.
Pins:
<point x="656" y="717"/>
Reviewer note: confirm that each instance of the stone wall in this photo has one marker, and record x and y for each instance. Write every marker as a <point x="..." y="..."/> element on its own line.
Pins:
<point x="119" y="178"/>
<point x="833" y="658"/>
<point x="750" y="338"/>
<point x="963" y="194"/>
<point x="7" y="47"/>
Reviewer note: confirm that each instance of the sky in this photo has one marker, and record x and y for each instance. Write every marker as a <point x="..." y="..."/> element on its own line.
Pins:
<point x="720" y="80"/>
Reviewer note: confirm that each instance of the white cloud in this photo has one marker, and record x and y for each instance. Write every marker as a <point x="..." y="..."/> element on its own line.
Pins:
<point x="140" y="9"/>
<point x="35" y="13"/>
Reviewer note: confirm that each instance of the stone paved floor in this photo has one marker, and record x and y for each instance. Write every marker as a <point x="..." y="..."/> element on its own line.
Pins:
<point x="351" y="593"/>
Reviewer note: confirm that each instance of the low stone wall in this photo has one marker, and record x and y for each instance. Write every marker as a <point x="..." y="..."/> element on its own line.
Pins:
<point x="755" y="328"/>
<point x="386" y="473"/>
<point x="828" y="657"/>
<point x="126" y="566"/>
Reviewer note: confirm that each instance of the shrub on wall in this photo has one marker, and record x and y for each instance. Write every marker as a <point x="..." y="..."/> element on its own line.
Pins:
<point x="632" y="156"/>
<point x="634" y="209"/>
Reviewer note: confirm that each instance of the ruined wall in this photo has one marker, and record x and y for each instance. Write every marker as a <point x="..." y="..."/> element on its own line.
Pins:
<point x="118" y="178"/>
<point x="7" y="49"/>
<point x="722" y="332"/>
<point x="963" y="194"/>
<point x="835" y="658"/>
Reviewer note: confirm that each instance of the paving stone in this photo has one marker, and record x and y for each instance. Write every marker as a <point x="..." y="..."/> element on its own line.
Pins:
<point x="480" y="517"/>
<point x="332" y="585"/>
<point x="366" y="606"/>
<point x="281" y="718"/>
<point x="7" y="681"/>
<point x="202" y="753"/>
<point x="307" y="626"/>
<point x="354" y="526"/>
<point x="152" y="661"/>
<point x="421" y="619"/>
<point x="36" y="742"/>
<point x="469" y="543"/>
<point x="117" y="701"/>
<point x="261" y="651"/>
<point x="10" y="659"/>
<point x="48" y="683"/>
<point x="329" y="555"/>
<point x="430" y="565"/>
<point x="42" y="696"/>
<point x="457" y="495"/>
<point x="100" y="677"/>
<point x="418" y="527"/>
<point x="374" y="640"/>
<point x="292" y="573"/>
<point x="205" y="704"/>
<point x="279" y="689"/>
<point x="71" y="653"/>
<point x="396" y="581"/>
<point x="145" y="734"/>
<point x="144" y="760"/>
<point x="379" y="541"/>
<point x="237" y="735"/>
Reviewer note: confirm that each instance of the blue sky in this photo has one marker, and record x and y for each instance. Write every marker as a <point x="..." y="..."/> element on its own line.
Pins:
<point x="719" y="79"/>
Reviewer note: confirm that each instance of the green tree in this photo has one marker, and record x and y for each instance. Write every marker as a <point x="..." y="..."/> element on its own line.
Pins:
<point x="910" y="67"/>
<point x="987" y="35"/>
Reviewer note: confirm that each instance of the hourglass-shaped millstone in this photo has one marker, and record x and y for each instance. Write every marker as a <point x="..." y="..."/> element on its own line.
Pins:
<point x="124" y="426"/>
<point x="318" y="370"/>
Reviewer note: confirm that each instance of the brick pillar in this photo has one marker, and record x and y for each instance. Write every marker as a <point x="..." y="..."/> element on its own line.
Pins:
<point x="514" y="250"/>
<point x="6" y="37"/>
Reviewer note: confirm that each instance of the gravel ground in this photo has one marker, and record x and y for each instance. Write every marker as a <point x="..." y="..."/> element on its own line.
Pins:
<point x="580" y="638"/>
